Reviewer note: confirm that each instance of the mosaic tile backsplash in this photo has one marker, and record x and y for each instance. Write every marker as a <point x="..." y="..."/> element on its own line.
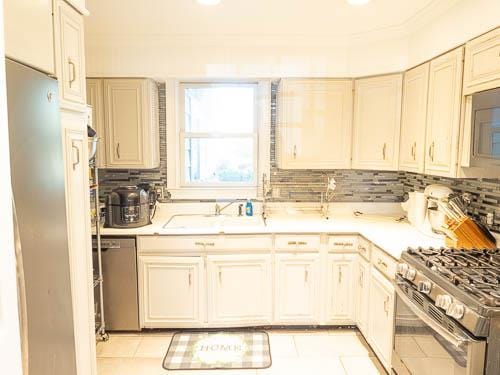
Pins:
<point x="307" y="185"/>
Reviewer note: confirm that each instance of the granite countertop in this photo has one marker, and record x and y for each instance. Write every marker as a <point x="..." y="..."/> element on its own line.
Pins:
<point x="391" y="236"/>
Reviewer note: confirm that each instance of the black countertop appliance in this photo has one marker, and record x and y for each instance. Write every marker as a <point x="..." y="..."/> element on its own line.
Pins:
<point x="128" y="207"/>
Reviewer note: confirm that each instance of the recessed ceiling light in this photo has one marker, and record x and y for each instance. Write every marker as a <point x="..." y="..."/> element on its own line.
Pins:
<point x="208" y="2"/>
<point x="358" y="2"/>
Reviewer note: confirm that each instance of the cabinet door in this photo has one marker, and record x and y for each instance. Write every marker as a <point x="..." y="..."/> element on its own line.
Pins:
<point x="29" y="33"/>
<point x="96" y="101"/>
<point x="296" y="288"/>
<point x="362" y="295"/>
<point x="381" y="317"/>
<point x="239" y="289"/>
<point x="70" y="56"/>
<point x="74" y="135"/>
<point x="340" y="288"/>
<point x="377" y="113"/>
<point x="482" y="63"/>
<point x="443" y="114"/>
<point x="315" y="124"/>
<point x="171" y="291"/>
<point x="413" y="120"/>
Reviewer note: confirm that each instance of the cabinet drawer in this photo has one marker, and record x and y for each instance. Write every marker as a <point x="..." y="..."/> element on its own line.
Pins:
<point x="384" y="263"/>
<point x="204" y="243"/>
<point x="297" y="243"/>
<point x="364" y="248"/>
<point x="342" y="243"/>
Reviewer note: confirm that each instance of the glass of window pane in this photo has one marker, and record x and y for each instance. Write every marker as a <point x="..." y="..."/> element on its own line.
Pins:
<point x="219" y="108"/>
<point x="219" y="160"/>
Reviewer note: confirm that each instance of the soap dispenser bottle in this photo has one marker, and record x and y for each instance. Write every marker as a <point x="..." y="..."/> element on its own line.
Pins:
<point x="249" y="208"/>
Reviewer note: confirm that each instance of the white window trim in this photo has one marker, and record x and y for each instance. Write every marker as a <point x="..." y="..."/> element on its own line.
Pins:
<point x="174" y="157"/>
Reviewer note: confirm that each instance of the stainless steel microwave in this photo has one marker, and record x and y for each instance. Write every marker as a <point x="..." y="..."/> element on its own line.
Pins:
<point x="485" y="145"/>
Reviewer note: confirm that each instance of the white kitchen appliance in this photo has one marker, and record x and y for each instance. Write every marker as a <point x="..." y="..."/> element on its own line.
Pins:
<point x="416" y="208"/>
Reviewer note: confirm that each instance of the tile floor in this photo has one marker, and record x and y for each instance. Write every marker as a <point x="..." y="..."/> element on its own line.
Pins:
<point x="332" y="352"/>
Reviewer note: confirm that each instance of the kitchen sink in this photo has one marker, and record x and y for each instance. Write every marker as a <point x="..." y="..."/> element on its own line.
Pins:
<point x="193" y="221"/>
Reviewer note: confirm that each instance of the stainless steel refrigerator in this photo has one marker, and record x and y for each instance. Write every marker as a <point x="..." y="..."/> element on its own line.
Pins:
<point x="40" y="209"/>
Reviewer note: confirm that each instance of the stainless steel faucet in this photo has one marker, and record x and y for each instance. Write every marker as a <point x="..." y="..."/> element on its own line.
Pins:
<point x="219" y="209"/>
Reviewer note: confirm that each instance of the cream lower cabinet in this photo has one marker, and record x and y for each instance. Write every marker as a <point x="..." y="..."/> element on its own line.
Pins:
<point x="239" y="289"/>
<point x="381" y="317"/>
<point x="341" y="307"/>
<point x="377" y="114"/>
<point x="171" y="291"/>
<point x="74" y="135"/>
<point x="443" y="114"/>
<point x="297" y="279"/>
<point x="362" y="294"/>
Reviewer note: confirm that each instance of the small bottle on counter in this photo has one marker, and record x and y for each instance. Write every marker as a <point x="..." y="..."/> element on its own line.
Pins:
<point x="249" y="208"/>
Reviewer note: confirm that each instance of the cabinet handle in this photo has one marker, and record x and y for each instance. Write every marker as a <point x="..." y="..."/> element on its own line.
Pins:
<point x="384" y="149"/>
<point x="386" y="306"/>
<point x="199" y="244"/>
<point x="431" y="151"/>
<point x="189" y="278"/>
<point x="72" y="72"/>
<point x="220" y="277"/>
<point x="292" y="243"/>
<point x="209" y="244"/>
<point x="342" y="244"/>
<point x="295" y="151"/>
<point x="118" y="150"/>
<point x="381" y="263"/>
<point x="414" y="151"/>
<point x="302" y="243"/>
<point x="306" y="276"/>
<point x="362" y="248"/>
<point x="340" y="275"/>
<point x="361" y="276"/>
<point x="75" y="147"/>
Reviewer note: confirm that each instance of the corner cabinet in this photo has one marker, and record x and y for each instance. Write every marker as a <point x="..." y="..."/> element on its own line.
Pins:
<point x="171" y="291"/>
<point x="297" y="279"/>
<point x="341" y="307"/>
<point x="482" y="63"/>
<point x="314" y="130"/>
<point x="239" y="289"/>
<point x="125" y="113"/>
<point x="362" y="295"/>
<point x="414" y="119"/>
<point x="377" y="115"/>
<point x="443" y="114"/>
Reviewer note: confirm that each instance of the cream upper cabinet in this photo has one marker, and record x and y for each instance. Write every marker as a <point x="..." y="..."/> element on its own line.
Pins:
<point x="239" y="289"/>
<point x="413" y="119"/>
<point x="341" y="304"/>
<point x="29" y="33"/>
<point x="482" y="63"/>
<point x="377" y="114"/>
<point x="95" y="99"/>
<point x="314" y="123"/>
<point x="70" y="56"/>
<point x="443" y="114"/>
<point x="131" y="123"/>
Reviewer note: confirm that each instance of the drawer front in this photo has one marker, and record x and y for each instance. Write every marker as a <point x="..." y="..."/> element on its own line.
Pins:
<point x="297" y="243"/>
<point x="364" y="248"/>
<point x="384" y="263"/>
<point x="342" y="243"/>
<point x="204" y="243"/>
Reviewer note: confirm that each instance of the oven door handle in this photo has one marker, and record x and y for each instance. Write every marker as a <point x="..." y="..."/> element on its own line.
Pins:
<point x="457" y="341"/>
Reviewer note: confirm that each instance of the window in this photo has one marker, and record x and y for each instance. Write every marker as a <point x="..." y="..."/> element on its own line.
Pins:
<point x="220" y="127"/>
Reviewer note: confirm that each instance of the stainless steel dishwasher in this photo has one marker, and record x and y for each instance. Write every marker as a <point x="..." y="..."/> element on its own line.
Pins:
<point x="121" y="300"/>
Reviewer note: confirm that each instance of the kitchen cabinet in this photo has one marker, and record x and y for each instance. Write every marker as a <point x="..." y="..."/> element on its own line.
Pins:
<point x="297" y="279"/>
<point x="171" y="291"/>
<point x="131" y="123"/>
<point x="362" y="295"/>
<point x="443" y="114"/>
<point x="413" y="119"/>
<point x="381" y="317"/>
<point x="76" y="172"/>
<point x="377" y="114"/>
<point x="340" y="307"/>
<point x="314" y="123"/>
<point x="32" y="40"/>
<point x="482" y="63"/>
<point x="70" y="56"/>
<point x="239" y="289"/>
<point x="95" y="100"/>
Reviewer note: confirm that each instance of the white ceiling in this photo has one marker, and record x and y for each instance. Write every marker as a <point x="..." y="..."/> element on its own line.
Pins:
<point x="258" y="17"/>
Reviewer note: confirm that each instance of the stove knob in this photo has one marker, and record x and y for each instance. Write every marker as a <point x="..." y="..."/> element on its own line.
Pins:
<point x="443" y="301"/>
<point x="456" y="310"/>
<point x="424" y="287"/>
<point x="402" y="268"/>
<point x="410" y="274"/>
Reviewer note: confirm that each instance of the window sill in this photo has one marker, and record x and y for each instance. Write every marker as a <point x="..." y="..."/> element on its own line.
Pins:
<point x="198" y="193"/>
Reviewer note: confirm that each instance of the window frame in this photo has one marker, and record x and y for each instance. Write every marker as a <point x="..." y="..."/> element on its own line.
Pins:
<point x="183" y="134"/>
<point x="175" y="157"/>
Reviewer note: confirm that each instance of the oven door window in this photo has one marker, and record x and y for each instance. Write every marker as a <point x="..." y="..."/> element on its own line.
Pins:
<point x="422" y="346"/>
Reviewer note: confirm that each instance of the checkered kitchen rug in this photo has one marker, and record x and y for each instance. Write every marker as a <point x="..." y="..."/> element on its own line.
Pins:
<point x="218" y="350"/>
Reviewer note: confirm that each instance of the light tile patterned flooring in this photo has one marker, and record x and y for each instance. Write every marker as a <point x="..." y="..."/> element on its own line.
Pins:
<point x="318" y="352"/>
